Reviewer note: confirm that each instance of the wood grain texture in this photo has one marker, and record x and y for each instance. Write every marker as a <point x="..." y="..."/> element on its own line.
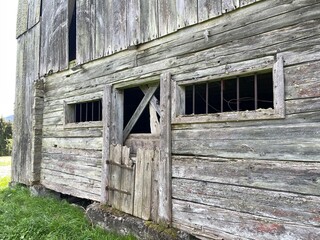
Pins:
<point x="34" y="7"/>
<point x="209" y="9"/>
<point x="133" y="22"/>
<point x="22" y="18"/>
<point x="149" y="22"/>
<point x="165" y="150"/>
<point x="187" y="13"/>
<point x="167" y="16"/>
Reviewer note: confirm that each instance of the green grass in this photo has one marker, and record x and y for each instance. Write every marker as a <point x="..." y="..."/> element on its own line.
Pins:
<point x="23" y="216"/>
<point x="5" y="161"/>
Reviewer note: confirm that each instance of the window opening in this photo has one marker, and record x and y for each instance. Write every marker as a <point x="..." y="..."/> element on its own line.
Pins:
<point x="85" y="111"/>
<point x="72" y="30"/>
<point x="132" y="99"/>
<point x="237" y="94"/>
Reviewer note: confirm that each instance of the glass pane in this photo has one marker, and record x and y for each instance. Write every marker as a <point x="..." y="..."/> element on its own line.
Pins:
<point x="189" y="99"/>
<point x="200" y="99"/>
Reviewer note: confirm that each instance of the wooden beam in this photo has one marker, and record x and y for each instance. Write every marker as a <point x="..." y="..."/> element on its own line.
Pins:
<point x="278" y="87"/>
<point x="106" y="118"/>
<point x="144" y="102"/>
<point x="165" y="204"/>
<point x="154" y="101"/>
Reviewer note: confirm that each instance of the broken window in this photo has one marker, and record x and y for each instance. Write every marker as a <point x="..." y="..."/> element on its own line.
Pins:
<point x="84" y="112"/>
<point x="241" y="93"/>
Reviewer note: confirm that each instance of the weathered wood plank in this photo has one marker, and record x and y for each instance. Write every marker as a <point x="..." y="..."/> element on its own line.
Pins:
<point x="246" y="2"/>
<point x="167" y="16"/>
<point x="295" y="177"/>
<point x="54" y="36"/>
<point x="229" y="5"/>
<point x="106" y="118"/>
<point x="144" y="141"/>
<point x="73" y="143"/>
<point x="207" y="221"/>
<point x="187" y="13"/>
<point x="290" y="207"/>
<point x="22" y="18"/>
<point x="165" y="166"/>
<point x="138" y="191"/>
<point x="115" y="175"/>
<point x="306" y="105"/>
<point x="100" y="28"/>
<point x="119" y="34"/>
<point x="149" y="21"/>
<point x="86" y="30"/>
<point x="133" y="22"/>
<point x="209" y="9"/>
<point x="34" y="12"/>
<point x="147" y="183"/>
<point x="127" y="182"/>
<point x="155" y="185"/>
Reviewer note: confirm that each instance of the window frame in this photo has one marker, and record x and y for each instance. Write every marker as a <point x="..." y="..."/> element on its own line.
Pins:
<point x="69" y="114"/>
<point x="241" y="69"/>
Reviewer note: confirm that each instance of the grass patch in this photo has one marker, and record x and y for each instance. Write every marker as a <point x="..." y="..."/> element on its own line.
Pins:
<point x="4" y="182"/>
<point x="23" y="216"/>
<point x="5" y="161"/>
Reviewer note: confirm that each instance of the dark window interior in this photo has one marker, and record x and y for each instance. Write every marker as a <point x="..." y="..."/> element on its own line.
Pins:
<point x="87" y="111"/>
<point x="237" y="94"/>
<point x="132" y="99"/>
<point x="73" y="36"/>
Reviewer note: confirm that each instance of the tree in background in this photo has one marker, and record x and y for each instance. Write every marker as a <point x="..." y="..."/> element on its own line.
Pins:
<point x="5" y="137"/>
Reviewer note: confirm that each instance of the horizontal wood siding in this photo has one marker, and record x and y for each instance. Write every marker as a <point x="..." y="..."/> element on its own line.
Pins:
<point x="229" y="178"/>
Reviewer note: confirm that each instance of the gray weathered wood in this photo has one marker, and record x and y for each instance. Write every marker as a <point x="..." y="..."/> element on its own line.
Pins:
<point x="167" y="16"/>
<point x="34" y="12"/>
<point x="119" y="34"/>
<point x="133" y="22"/>
<point x="165" y="150"/>
<point x="149" y="21"/>
<point x="208" y="9"/>
<point x="278" y="87"/>
<point x="147" y="184"/>
<point x="22" y="18"/>
<point x="139" y="178"/>
<point x="106" y="118"/>
<point x="229" y="5"/>
<point x="187" y="13"/>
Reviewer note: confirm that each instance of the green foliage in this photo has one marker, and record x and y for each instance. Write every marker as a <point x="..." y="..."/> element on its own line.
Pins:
<point x="26" y="217"/>
<point x="4" y="182"/>
<point x="5" y="137"/>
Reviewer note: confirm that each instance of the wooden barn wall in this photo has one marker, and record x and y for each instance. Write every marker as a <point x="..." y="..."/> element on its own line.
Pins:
<point x="27" y="72"/>
<point x="250" y="179"/>
<point x="54" y="36"/>
<point x="106" y="27"/>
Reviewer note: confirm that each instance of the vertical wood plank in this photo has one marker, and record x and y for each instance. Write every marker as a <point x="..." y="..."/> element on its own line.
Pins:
<point x="187" y="13"/>
<point x="278" y="87"/>
<point x="208" y="9"/>
<point x="138" y="191"/>
<point x="165" y="204"/>
<point x="54" y="36"/>
<point x="100" y="30"/>
<point x="149" y="20"/>
<point x="22" y="18"/>
<point x="117" y="116"/>
<point x="109" y="28"/>
<point x="167" y="17"/>
<point x="34" y="12"/>
<point x="147" y="183"/>
<point x="119" y="38"/>
<point x="246" y="2"/>
<point x="133" y="22"/>
<point x="106" y="118"/>
<point x="126" y="182"/>
<point x="155" y="186"/>
<point x="86" y="21"/>
<point x="110" y="185"/>
<point x="116" y="176"/>
<point x="229" y="5"/>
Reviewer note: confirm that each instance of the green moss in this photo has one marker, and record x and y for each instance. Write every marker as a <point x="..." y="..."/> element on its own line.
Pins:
<point x="162" y="228"/>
